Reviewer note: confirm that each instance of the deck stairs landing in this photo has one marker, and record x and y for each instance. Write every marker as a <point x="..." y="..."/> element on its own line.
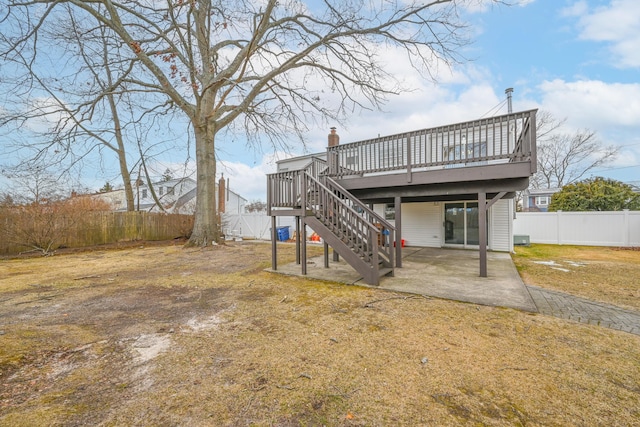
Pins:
<point x="358" y="234"/>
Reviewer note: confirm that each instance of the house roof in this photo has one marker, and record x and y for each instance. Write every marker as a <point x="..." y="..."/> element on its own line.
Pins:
<point x="171" y="182"/>
<point x="189" y="194"/>
<point x="541" y="191"/>
<point x="185" y="192"/>
<point x="321" y="155"/>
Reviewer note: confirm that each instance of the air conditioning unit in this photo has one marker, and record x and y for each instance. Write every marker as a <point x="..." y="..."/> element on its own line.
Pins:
<point x="521" y="240"/>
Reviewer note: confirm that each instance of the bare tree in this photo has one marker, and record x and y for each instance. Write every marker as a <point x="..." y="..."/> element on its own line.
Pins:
<point x="256" y="206"/>
<point x="266" y="69"/>
<point x="36" y="185"/>
<point x="74" y="110"/>
<point x="564" y="158"/>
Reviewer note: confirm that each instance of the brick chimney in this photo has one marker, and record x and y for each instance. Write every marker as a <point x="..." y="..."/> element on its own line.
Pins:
<point x="334" y="138"/>
<point x="221" y="194"/>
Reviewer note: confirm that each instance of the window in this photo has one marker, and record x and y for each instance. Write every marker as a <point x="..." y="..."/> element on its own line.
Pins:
<point x="161" y="190"/>
<point x="144" y="193"/>
<point x="170" y="191"/>
<point x="542" y="200"/>
<point x="466" y="151"/>
<point x="389" y="212"/>
<point x="463" y="153"/>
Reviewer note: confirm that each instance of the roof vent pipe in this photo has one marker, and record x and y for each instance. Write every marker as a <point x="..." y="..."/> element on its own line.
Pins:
<point x="509" y="91"/>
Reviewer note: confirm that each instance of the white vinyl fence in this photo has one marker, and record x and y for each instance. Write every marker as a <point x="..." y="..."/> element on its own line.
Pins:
<point x="580" y="228"/>
<point x="254" y="225"/>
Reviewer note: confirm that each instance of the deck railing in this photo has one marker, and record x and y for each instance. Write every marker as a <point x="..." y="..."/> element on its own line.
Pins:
<point x="506" y="138"/>
<point x="284" y="188"/>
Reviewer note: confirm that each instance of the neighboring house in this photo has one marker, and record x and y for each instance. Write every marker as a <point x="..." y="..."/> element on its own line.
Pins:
<point x="537" y="199"/>
<point x="116" y="199"/>
<point x="449" y="186"/>
<point x="176" y="196"/>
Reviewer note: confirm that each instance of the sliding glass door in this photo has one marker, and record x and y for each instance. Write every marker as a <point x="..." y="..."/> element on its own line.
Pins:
<point x="461" y="224"/>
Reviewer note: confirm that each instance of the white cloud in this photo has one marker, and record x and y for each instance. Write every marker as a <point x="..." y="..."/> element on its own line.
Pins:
<point x="480" y="6"/>
<point x="46" y="113"/>
<point x="577" y="9"/>
<point x="250" y="181"/>
<point x="610" y="109"/>
<point x="429" y="106"/>
<point x="593" y="103"/>
<point x="618" y="24"/>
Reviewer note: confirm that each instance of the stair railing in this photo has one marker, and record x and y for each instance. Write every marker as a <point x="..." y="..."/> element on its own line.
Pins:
<point x="343" y="220"/>
<point x="387" y="230"/>
<point x="365" y="232"/>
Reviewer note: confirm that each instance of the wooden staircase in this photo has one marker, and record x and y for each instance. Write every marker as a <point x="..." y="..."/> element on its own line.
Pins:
<point x="363" y="238"/>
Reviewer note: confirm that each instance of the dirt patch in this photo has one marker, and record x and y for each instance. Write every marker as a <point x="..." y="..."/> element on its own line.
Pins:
<point x="170" y="336"/>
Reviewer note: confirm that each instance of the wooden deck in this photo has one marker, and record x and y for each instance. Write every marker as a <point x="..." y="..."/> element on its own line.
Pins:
<point x="484" y="160"/>
<point x="491" y="155"/>
<point x="499" y="139"/>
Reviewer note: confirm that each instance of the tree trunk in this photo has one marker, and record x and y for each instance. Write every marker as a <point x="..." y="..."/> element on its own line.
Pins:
<point x="128" y="188"/>
<point x="205" y="227"/>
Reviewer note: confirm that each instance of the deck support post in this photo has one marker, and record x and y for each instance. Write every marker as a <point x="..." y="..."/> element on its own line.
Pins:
<point x="298" y="240"/>
<point x="482" y="232"/>
<point x="303" y="231"/>
<point x="326" y="255"/>
<point x="274" y="235"/>
<point x="304" y="247"/>
<point x="398" y="242"/>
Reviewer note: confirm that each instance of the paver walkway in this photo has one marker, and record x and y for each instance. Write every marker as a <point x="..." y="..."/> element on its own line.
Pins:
<point x="582" y="310"/>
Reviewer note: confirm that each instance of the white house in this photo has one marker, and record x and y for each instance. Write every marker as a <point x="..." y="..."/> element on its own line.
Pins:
<point x="176" y="196"/>
<point x="449" y="186"/>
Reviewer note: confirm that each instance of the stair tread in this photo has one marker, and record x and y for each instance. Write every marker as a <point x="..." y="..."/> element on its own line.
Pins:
<point x="384" y="271"/>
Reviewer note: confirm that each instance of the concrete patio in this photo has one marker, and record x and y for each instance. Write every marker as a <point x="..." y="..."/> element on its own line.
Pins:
<point x="443" y="273"/>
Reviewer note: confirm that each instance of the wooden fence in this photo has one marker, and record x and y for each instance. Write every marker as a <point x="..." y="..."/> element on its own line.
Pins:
<point x="97" y="228"/>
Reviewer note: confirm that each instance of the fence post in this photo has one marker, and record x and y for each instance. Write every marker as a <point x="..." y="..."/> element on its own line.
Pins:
<point x="626" y="228"/>
<point x="559" y="226"/>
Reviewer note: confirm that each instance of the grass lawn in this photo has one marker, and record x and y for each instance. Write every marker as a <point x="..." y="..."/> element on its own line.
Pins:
<point x="609" y="275"/>
<point x="163" y="335"/>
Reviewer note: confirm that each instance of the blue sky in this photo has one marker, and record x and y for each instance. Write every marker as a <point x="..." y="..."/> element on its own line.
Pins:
<point x="578" y="59"/>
